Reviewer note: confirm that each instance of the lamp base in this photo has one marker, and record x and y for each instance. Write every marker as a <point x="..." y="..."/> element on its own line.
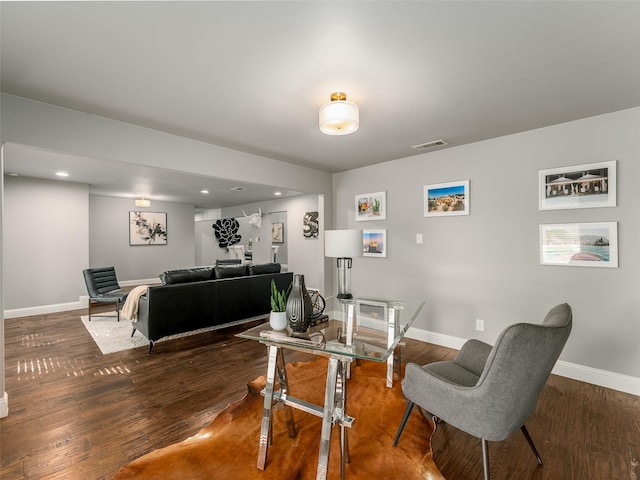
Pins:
<point x="344" y="296"/>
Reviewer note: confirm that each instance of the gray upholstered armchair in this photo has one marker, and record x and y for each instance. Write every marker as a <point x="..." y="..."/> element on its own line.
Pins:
<point x="103" y="287"/>
<point x="487" y="391"/>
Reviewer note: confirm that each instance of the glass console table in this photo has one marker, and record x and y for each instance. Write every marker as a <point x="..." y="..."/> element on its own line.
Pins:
<point x="356" y="329"/>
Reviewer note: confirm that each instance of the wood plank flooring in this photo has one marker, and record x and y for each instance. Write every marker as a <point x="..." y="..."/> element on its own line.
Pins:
<point x="77" y="414"/>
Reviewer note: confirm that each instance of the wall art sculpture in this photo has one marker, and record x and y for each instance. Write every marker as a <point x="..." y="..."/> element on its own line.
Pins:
<point x="226" y="230"/>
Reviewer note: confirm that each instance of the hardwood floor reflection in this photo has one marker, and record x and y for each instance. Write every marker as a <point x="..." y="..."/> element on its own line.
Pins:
<point x="77" y="414"/>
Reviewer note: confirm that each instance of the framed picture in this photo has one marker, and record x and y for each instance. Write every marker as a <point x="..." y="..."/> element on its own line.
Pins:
<point x="371" y="206"/>
<point x="580" y="244"/>
<point x="277" y="232"/>
<point x="445" y="199"/>
<point x="374" y="243"/>
<point x="579" y="186"/>
<point x="147" y="228"/>
<point x="310" y="225"/>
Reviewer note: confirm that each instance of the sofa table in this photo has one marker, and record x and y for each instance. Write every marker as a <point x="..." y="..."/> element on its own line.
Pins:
<point x="359" y="329"/>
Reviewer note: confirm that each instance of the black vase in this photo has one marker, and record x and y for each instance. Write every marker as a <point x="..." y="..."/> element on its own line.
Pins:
<point x="299" y="309"/>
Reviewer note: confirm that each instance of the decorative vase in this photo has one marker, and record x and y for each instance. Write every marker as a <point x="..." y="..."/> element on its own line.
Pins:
<point x="299" y="309"/>
<point x="278" y="320"/>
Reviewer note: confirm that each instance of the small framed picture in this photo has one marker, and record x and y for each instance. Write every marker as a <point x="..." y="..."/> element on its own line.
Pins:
<point x="445" y="199"/>
<point x="277" y="232"/>
<point x="147" y="228"/>
<point x="579" y="244"/>
<point x="310" y="225"/>
<point x="374" y="243"/>
<point x="371" y="206"/>
<point x="591" y="185"/>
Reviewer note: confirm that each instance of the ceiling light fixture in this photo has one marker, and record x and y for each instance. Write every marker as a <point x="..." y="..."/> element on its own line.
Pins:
<point x="143" y="202"/>
<point x="62" y="174"/>
<point x="204" y="192"/>
<point x="277" y="194"/>
<point x="339" y="117"/>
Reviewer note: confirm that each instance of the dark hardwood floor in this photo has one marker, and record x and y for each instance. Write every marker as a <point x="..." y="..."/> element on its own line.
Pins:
<point x="77" y="414"/>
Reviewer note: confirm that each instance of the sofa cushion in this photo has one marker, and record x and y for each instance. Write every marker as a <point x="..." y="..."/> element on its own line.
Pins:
<point x="264" y="268"/>
<point x="229" y="271"/>
<point x="186" y="275"/>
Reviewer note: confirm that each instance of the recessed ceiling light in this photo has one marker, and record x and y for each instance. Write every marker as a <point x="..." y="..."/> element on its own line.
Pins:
<point x="277" y="194"/>
<point x="62" y="174"/>
<point x="204" y="191"/>
<point x="13" y="174"/>
<point x="237" y="189"/>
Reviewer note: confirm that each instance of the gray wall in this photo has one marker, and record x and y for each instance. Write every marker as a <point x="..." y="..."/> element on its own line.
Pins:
<point x="486" y="265"/>
<point x="45" y="241"/>
<point x="109" y="239"/>
<point x="304" y="255"/>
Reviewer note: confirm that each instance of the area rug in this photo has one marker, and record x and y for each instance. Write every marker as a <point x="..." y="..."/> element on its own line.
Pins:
<point x="113" y="336"/>
<point x="227" y="449"/>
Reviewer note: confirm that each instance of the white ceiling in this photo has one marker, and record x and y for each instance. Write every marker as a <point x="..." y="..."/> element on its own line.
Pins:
<point x="251" y="75"/>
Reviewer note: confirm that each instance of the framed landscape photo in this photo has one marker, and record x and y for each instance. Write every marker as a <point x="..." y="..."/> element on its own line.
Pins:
<point x="445" y="199"/>
<point x="590" y="185"/>
<point x="374" y="243"/>
<point x="371" y="206"/>
<point x="580" y="244"/>
<point x="147" y="228"/>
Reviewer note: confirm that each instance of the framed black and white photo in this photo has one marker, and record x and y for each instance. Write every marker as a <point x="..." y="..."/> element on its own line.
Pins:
<point x="310" y="225"/>
<point x="579" y="244"/>
<point x="277" y="232"/>
<point x="147" y="228"/>
<point x="590" y="185"/>
<point x="446" y="199"/>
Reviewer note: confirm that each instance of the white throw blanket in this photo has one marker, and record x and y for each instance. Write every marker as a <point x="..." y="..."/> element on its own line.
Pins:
<point x="130" y="307"/>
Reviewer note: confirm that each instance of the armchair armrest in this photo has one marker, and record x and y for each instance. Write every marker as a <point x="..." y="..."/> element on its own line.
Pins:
<point x="473" y="356"/>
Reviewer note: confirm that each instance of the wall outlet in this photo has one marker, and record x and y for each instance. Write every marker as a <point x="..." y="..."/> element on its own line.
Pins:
<point x="479" y="325"/>
<point x="418" y="238"/>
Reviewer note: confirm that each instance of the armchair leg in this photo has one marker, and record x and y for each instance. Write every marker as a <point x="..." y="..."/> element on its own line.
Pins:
<point x="133" y="332"/>
<point x="485" y="459"/>
<point x="533" y="447"/>
<point x="150" y="347"/>
<point x="407" y="412"/>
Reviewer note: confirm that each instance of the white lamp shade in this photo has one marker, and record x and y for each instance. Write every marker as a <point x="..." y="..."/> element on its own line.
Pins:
<point x="142" y="202"/>
<point x="339" y="118"/>
<point x="343" y="243"/>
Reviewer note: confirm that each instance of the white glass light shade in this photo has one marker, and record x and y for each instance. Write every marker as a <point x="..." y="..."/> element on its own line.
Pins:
<point x="143" y="202"/>
<point x="343" y="243"/>
<point x="339" y="117"/>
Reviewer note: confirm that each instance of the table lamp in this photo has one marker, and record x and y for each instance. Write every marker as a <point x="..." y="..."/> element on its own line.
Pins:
<point x="343" y="245"/>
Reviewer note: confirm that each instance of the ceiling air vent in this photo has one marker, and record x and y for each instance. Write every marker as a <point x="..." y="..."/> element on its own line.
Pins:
<point x="429" y="145"/>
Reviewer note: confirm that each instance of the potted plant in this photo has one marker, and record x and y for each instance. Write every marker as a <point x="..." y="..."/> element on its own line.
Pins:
<point x="278" y="316"/>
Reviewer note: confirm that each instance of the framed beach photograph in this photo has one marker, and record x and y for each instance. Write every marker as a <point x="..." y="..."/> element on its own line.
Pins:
<point x="580" y="244"/>
<point x="591" y="185"/>
<point x="277" y="232"/>
<point x="147" y="228"/>
<point x="445" y="199"/>
<point x="371" y="206"/>
<point x="374" y="243"/>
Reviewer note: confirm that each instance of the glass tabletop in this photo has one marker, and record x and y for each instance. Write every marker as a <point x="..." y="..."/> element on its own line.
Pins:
<point x="357" y="328"/>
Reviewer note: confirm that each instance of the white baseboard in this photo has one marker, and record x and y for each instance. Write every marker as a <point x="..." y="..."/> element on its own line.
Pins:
<point x="602" y="378"/>
<point x="83" y="302"/>
<point x="4" y="405"/>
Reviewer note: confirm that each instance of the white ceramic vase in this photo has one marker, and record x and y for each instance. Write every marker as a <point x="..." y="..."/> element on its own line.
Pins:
<point x="278" y="320"/>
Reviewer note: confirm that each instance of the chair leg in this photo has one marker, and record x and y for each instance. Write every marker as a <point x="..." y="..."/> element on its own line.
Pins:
<point x="533" y="447"/>
<point x="485" y="459"/>
<point x="150" y="347"/>
<point x="89" y="309"/>
<point x="407" y="412"/>
<point x="134" y="331"/>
